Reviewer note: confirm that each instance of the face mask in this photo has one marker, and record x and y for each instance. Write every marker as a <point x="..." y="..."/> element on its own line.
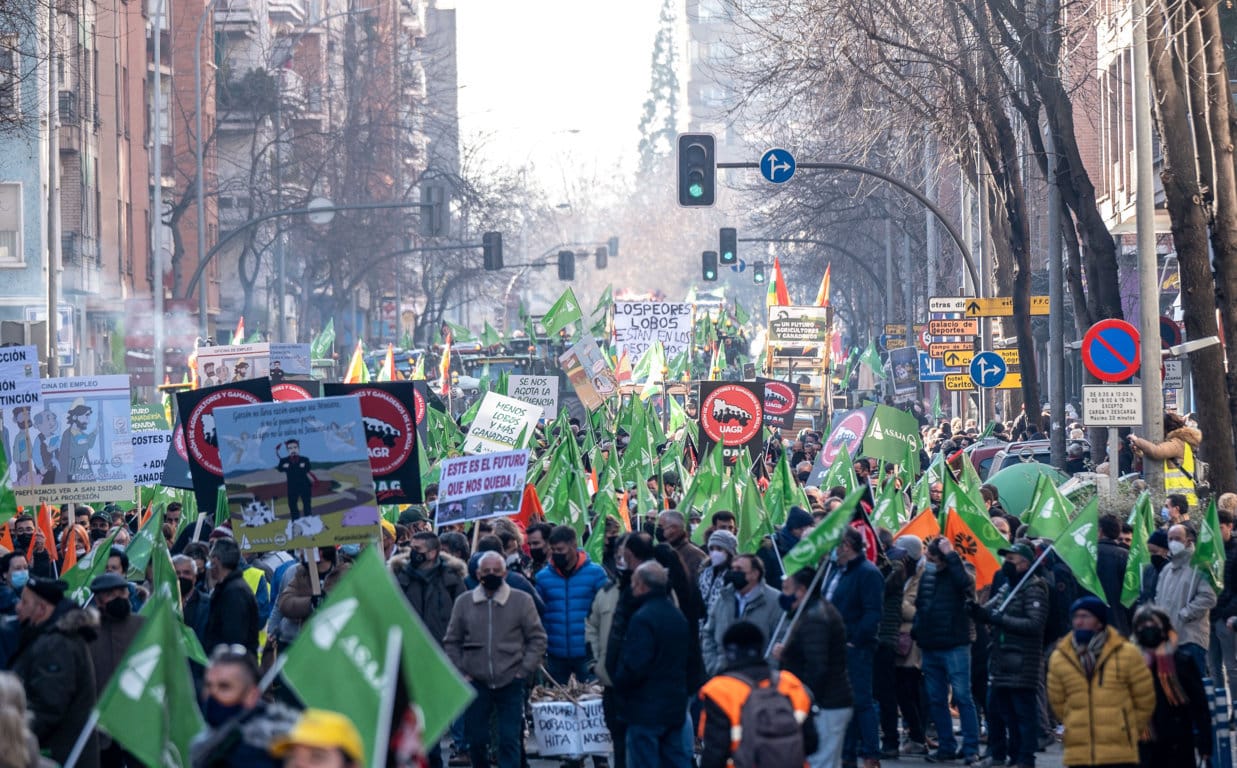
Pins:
<point x="351" y="550"/>
<point x="1164" y="513"/>
<point x="929" y="566"/>
<point x="491" y="582"/>
<point x="97" y="535"/>
<point x="537" y="554"/>
<point x="786" y="601"/>
<point x="717" y="558"/>
<point x="23" y="541"/>
<point x="1176" y="547"/>
<point x="803" y="476"/>
<point x="1150" y="636"/>
<point x="1083" y="636"/>
<point x="736" y="579"/>
<point x="620" y="565"/>
<point x="1158" y="562"/>
<point x="18" y="579"/>
<point x="659" y="533"/>
<point x="563" y="560"/>
<point x="217" y="714"/>
<point x="416" y="558"/>
<point x="1011" y="572"/>
<point x="118" y="609"/>
<point x="186" y="586"/>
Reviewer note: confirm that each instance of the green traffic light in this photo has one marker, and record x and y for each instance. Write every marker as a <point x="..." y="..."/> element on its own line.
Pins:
<point x="696" y="190"/>
<point x="760" y="278"/>
<point x="709" y="275"/>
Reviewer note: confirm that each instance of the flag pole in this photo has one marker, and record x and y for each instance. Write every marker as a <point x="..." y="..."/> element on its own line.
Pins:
<point x="820" y="572"/>
<point x="1030" y="570"/>
<point x="80" y="744"/>
<point x="391" y="670"/>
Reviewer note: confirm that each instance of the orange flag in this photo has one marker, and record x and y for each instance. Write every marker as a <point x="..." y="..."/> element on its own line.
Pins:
<point x="530" y="507"/>
<point x="822" y="298"/>
<point x="44" y="523"/>
<point x="74" y="534"/>
<point x="971" y="549"/>
<point x="923" y="525"/>
<point x="6" y="537"/>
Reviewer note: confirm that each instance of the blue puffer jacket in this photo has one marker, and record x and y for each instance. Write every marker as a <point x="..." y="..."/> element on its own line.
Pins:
<point x="567" y="603"/>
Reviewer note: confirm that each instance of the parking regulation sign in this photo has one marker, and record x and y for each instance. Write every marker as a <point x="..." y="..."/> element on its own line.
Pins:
<point x="1110" y="350"/>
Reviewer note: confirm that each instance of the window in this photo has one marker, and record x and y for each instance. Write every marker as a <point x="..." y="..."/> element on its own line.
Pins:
<point x="10" y="225"/>
<point x="10" y="77"/>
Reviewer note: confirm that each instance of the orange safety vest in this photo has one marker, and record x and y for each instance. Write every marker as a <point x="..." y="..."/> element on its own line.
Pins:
<point x="730" y="694"/>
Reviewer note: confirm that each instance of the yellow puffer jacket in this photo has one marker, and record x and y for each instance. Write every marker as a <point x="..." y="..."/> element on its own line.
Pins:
<point x="1104" y="716"/>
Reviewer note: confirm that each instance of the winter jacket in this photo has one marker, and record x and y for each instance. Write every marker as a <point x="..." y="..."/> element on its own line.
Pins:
<point x="597" y="629"/>
<point x="783" y="541"/>
<point x="8" y="600"/>
<point x="941" y="622"/>
<point x="857" y="590"/>
<point x="692" y="557"/>
<point x="762" y="609"/>
<point x="568" y="598"/>
<point x="494" y="640"/>
<point x="1017" y="633"/>
<point x="1173" y="728"/>
<point x="815" y="653"/>
<point x="244" y="742"/>
<point x="1104" y="715"/>
<point x="891" y="603"/>
<point x="710" y="582"/>
<point x="650" y="674"/>
<point x="1185" y="594"/>
<point x="722" y="700"/>
<point x="233" y="614"/>
<point x="1226" y="602"/>
<point x="913" y="659"/>
<point x="431" y="593"/>
<point x="296" y="599"/>
<point x="514" y="579"/>
<point x="54" y="665"/>
<point x="110" y="645"/>
<point x="1110" y="567"/>
<point x="1179" y="452"/>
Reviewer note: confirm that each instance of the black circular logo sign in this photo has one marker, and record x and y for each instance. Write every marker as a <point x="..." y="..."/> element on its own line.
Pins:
<point x="731" y="415"/>
<point x="847" y="434"/>
<point x="201" y="436"/>
<point x="388" y="430"/>
<point x="779" y="398"/>
<point x="178" y="442"/>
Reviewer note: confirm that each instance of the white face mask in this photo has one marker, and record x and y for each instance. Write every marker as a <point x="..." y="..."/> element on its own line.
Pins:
<point x="1176" y="547"/>
<point x="717" y="558"/>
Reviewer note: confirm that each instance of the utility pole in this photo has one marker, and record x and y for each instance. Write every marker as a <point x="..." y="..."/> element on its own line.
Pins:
<point x="889" y="301"/>
<point x="53" y="197"/>
<point x="1056" y="310"/>
<point x="157" y="213"/>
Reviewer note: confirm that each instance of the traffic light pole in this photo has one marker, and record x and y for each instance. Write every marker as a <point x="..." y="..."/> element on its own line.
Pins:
<point x="876" y="280"/>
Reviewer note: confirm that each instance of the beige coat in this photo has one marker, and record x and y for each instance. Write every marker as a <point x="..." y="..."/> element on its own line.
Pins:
<point x="494" y="640"/>
<point x="909" y="593"/>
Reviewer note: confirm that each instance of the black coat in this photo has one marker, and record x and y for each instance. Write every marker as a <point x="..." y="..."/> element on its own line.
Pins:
<point x="1172" y="728"/>
<point x="1110" y="566"/>
<point x="1226" y="605"/>
<point x="941" y="621"/>
<point x="233" y="615"/>
<point x="432" y="594"/>
<point x="650" y="675"/>
<point x="53" y="663"/>
<point x="1017" y="634"/>
<point x="815" y="653"/>
<point x="771" y="561"/>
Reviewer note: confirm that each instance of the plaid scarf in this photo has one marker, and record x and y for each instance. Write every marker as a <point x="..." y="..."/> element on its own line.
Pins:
<point x="1089" y="652"/>
<point x="1161" y="663"/>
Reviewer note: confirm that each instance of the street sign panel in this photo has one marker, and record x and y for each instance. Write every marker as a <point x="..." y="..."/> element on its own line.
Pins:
<point x="931" y="369"/>
<point x="959" y="359"/>
<point x="947" y="304"/>
<point x="777" y="166"/>
<point x="954" y="327"/>
<point x="1003" y="306"/>
<point x="895" y="329"/>
<point x="1173" y="378"/>
<point x="893" y="342"/>
<point x="988" y="369"/>
<point x="1110" y="350"/>
<point x="1112" y="405"/>
<point x="943" y="348"/>
<point x="959" y="382"/>
<point x="1011" y="381"/>
<point x="1170" y="332"/>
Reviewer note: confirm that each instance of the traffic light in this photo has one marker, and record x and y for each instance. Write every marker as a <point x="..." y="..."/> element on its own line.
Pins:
<point x="709" y="265"/>
<point x="601" y="256"/>
<point x="758" y="273"/>
<point x="566" y="265"/>
<point x="728" y="247"/>
<point x="697" y="169"/>
<point x="612" y="247"/>
<point x="492" y="250"/>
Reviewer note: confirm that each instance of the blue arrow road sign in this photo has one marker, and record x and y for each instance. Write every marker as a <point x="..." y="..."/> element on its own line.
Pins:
<point x="777" y="166"/>
<point x="741" y="266"/>
<point x="987" y="369"/>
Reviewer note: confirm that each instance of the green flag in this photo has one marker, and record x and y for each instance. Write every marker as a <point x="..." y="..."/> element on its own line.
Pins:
<point x="222" y="513"/>
<point x="937" y="411"/>
<point x="872" y="359"/>
<point x="1140" y="518"/>
<point x="1209" y="551"/>
<point x="143" y="544"/>
<point x="1048" y="514"/>
<point x="704" y="487"/>
<point x="753" y="523"/>
<point x="890" y="510"/>
<point x="841" y="472"/>
<point x="891" y="434"/>
<point x="167" y="586"/>
<point x="363" y="641"/>
<point x="783" y="492"/>
<point x="563" y="313"/>
<point x="8" y="499"/>
<point x="974" y="515"/>
<point x="822" y="539"/>
<point x="320" y="348"/>
<point x="1078" y="547"/>
<point x="741" y="315"/>
<point x="149" y="706"/>
<point x="87" y="567"/>
<point x="606" y="301"/>
<point x="489" y="336"/>
<point x="605" y="507"/>
<point x="459" y="333"/>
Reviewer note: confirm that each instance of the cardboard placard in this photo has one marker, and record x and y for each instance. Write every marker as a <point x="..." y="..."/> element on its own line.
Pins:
<point x="590" y="373"/>
<point x="536" y="390"/>
<point x="500" y="424"/>
<point x="570" y="728"/>
<point x="199" y="436"/>
<point x="640" y="324"/>
<point x="390" y="411"/>
<point x="477" y="487"/>
<point x="232" y="363"/>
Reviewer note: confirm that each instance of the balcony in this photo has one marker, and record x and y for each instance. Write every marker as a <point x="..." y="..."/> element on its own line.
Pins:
<point x="240" y="16"/>
<point x="70" y="123"/>
<point x="287" y="11"/>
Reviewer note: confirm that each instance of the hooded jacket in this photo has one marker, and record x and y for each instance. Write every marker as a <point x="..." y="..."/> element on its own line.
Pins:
<point x="650" y="674"/>
<point x="432" y="592"/>
<point x="568" y="598"/>
<point x="53" y="663"/>
<point x="815" y="653"/>
<point x="1185" y="594"/>
<point x="940" y="621"/>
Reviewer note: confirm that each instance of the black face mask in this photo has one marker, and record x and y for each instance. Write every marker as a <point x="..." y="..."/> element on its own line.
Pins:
<point x="23" y="541"/>
<point x="1158" y="562"/>
<point x="537" y="554"/>
<point x="563" y="560"/>
<point x="1011" y="572"/>
<point x="217" y="714"/>
<point x="186" y="586"/>
<point x="659" y="533"/>
<point x="416" y="558"/>
<point x="1149" y="636"/>
<point x="491" y="581"/>
<point x="97" y="535"/>
<point x="118" y="609"/>
<point x="736" y="579"/>
<point x="803" y="476"/>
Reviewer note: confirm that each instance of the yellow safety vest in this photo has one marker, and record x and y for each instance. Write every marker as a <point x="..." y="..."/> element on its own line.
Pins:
<point x="1176" y="479"/>
<point x="253" y="577"/>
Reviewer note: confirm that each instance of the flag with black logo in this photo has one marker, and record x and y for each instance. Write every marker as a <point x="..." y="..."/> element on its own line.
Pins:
<point x="391" y="412"/>
<point x="781" y="398"/>
<point x="732" y="415"/>
<point x="196" y="409"/>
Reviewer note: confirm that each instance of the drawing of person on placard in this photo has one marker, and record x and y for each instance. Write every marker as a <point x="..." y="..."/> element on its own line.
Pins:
<point x="76" y="442"/>
<point x="46" y="457"/>
<point x="22" y="455"/>
<point x="300" y="476"/>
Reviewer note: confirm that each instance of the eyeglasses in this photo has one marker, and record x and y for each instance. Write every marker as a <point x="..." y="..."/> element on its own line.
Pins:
<point x="228" y="652"/>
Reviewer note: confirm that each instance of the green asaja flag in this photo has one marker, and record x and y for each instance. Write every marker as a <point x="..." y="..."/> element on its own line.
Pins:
<point x="167" y="586"/>
<point x="752" y="520"/>
<point x="822" y="539"/>
<point x="606" y="301"/>
<point x="1048" y="514"/>
<point x="1078" y="547"/>
<point x="705" y="485"/>
<point x="841" y="472"/>
<point x="149" y="706"/>
<point x="320" y="348"/>
<point x="872" y="359"/>
<point x="88" y="566"/>
<point x="890" y="510"/>
<point x="891" y="433"/>
<point x="8" y="499"/>
<point x="143" y="544"/>
<point x="605" y="507"/>
<point x="563" y="313"/>
<point x="1209" y="550"/>
<point x="783" y="492"/>
<point x="1140" y="518"/>
<point x="360" y="646"/>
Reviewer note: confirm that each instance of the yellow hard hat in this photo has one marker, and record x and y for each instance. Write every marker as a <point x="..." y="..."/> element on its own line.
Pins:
<point x="324" y="730"/>
<point x="387" y="527"/>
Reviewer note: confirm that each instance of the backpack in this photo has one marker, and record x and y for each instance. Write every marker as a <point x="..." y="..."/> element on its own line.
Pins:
<point x="772" y="736"/>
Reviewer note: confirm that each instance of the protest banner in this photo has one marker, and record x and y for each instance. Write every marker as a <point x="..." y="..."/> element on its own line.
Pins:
<point x="288" y="360"/>
<point x="536" y="390"/>
<point x="731" y="415"/>
<point x="780" y="400"/>
<point x="196" y="408"/>
<point x="905" y="365"/>
<point x="19" y="402"/>
<point x="892" y="435"/>
<point x="502" y="423"/>
<point x="799" y="332"/>
<point x="176" y="470"/>
<point x="477" y="487"/>
<point x="423" y="395"/>
<point x="84" y="450"/>
<point x="590" y="374"/>
<point x="845" y="434"/>
<point x="231" y="363"/>
<point x="570" y="728"/>
<point x="640" y="324"/>
<point x="297" y="474"/>
<point x="389" y="412"/>
<point x="151" y="441"/>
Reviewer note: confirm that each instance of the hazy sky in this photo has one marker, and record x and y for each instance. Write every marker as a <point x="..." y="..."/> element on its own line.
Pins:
<point x="531" y="70"/>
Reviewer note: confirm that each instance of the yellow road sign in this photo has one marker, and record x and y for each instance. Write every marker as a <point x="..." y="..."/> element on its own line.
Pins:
<point x="1003" y="306"/>
<point x="1012" y="381"/>
<point x="895" y="329"/>
<point x="894" y="342"/>
<point x="942" y="348"/>
<point x="958" y="382"/>
<point x="1010" y="356"/>
<point x="954" y="327"/>
<point x="959" y="359"/>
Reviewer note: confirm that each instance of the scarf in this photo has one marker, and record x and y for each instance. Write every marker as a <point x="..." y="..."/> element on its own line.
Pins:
<point x="1089" y="654"/>
<point x="1161" y="663"/>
